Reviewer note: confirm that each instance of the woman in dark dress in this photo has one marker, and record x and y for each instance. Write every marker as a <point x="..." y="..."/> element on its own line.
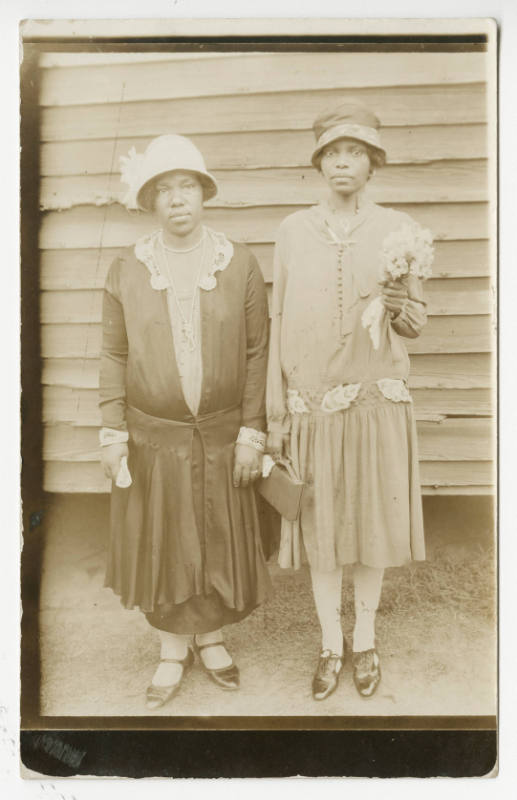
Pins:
<point x="182" y="387"/>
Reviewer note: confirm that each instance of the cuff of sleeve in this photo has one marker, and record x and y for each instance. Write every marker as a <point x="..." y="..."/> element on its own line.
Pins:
<point x="109" y="436"/>
<point x="253" y="438"/>
<point x="411" y="316"/>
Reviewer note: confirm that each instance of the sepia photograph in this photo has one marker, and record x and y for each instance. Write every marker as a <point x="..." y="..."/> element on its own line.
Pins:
<point x="259" y="354"/>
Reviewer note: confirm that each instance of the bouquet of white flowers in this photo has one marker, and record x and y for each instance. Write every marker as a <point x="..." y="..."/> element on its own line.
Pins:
<point x="406" y="252"/>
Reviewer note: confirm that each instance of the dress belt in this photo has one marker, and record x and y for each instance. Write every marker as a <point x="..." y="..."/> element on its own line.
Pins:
<point x="196" y="421"/>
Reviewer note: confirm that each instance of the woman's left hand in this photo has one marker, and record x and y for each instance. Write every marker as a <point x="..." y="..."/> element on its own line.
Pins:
<point x="247" y="465"/>
<point x="394" y="296"/>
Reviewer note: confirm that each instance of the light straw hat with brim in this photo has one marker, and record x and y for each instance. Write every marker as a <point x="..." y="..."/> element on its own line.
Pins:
<point x="166" y="153"/>
<point x="347" y="121"/>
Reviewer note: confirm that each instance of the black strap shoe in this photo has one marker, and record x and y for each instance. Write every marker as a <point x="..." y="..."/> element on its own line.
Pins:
<point x="157" y="696"/>
<point x="226" y="677"/>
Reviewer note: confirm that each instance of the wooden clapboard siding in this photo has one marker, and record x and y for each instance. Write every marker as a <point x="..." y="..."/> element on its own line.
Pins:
<point x="112" y="226"/>
<point x="449" y="440"/>
<point x="87" y="268"/>
<point x="251" y="150"/>
<point x="448" y="104"/>
<point x="253" y="125"/>
<point x="437" y="477"/>
<point x="451" y="371"/>
<point x="79" y="372"/>
<point x="428" y="371"/>
<point x="113" y="83"/>
<point x="456" y="181"/>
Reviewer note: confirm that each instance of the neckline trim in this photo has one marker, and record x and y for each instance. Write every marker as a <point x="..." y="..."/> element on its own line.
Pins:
<point x="222" y="255"/>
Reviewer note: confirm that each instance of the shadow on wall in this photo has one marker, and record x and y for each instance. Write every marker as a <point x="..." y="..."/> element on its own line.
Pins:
<point x="75" y="527"/>
<point x="459" y="522"/>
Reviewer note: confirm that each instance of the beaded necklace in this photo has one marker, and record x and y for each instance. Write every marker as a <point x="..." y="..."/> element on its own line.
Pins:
<point x="187" y="323"/>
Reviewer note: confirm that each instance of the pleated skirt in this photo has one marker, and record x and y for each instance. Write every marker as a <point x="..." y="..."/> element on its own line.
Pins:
<point x="362" y="499"/>
<point x="184" y="543"/>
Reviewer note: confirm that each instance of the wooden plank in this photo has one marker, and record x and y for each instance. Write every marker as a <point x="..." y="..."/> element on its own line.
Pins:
<point x="450" y="440"/>
<point x="114" y="226"/>
<point x="76" y="476"/>
<point x="456" y="473"/>
<point x="62" y="404"/>
<point x="437" y="285"/>
<point x="251" y="150"/>
<point x="456" y="491"/>
<point x="451" y="371"/>
<point x="87" y="476"/>
<point x="454" y="335"/>
<point x="80" y="407"/>
<point x="456" y="440"/>
<point x="90" y="84"/>
<point x="428" y="371"/>
<point x="451" y="402"/>
<point x="463" y="296"/>
<point x="448" y="104"/>
<point x="87" y="269"/>
<point x="438" y="181"/>
<point x="71" y="341"/>
<point x="76" y="373"/>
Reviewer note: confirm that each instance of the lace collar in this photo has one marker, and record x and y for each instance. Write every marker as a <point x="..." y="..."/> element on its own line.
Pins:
<point x="222" y="255"/>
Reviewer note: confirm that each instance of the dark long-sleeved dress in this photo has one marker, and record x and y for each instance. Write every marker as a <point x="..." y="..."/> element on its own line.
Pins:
<point x="184" y="543"/>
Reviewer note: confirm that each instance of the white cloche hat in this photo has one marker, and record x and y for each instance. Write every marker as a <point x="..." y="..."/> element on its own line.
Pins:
<point x="164" y="154"/>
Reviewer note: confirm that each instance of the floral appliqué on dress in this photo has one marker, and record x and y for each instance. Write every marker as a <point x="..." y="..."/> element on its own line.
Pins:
<point x="395" y="390"/>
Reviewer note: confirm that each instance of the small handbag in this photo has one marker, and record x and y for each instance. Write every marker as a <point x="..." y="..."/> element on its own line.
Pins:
<point x="283" y="490"/>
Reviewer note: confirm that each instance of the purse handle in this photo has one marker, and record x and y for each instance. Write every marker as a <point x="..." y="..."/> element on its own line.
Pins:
<point x="286" y="463"/>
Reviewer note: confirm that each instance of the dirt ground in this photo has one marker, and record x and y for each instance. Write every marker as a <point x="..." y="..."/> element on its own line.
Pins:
<point x="435" y="631"/>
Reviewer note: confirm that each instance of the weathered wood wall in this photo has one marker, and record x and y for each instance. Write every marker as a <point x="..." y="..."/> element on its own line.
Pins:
<point x="250" y="114"/>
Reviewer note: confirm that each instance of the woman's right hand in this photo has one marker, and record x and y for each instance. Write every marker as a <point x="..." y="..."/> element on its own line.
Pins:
<point x="276" y="444"/>
<point x="111" y="456"/>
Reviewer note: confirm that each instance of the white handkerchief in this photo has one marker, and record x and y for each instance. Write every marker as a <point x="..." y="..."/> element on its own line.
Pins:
<point x="123" y="475"/>
<point x="267" y="466"/>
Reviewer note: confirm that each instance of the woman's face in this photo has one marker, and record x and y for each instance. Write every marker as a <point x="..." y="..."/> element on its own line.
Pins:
<point x="345" y="165"/>
<point x="178" y="202"/>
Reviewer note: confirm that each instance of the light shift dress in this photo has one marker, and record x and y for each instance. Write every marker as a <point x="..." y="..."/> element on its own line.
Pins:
<point x="358" y="452"/>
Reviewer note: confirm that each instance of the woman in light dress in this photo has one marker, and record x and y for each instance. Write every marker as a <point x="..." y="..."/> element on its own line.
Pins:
<point x="338" y="400"/>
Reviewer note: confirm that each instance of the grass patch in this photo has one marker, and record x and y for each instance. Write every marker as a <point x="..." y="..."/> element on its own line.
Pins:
<point x="462" y="584"/>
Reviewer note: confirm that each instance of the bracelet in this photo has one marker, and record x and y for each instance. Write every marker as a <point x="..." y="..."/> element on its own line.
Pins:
<point x="109" y="436"/>
<point x="252" y="438"/>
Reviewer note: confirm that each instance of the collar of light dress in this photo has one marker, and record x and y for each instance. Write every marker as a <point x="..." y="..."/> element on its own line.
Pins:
<point x="335" y="228"/>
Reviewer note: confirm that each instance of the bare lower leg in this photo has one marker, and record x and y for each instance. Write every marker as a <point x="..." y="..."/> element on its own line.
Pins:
<point x="326" y="587"/>
<point x="214" y="657"/>
<point x="367" y="592"/>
